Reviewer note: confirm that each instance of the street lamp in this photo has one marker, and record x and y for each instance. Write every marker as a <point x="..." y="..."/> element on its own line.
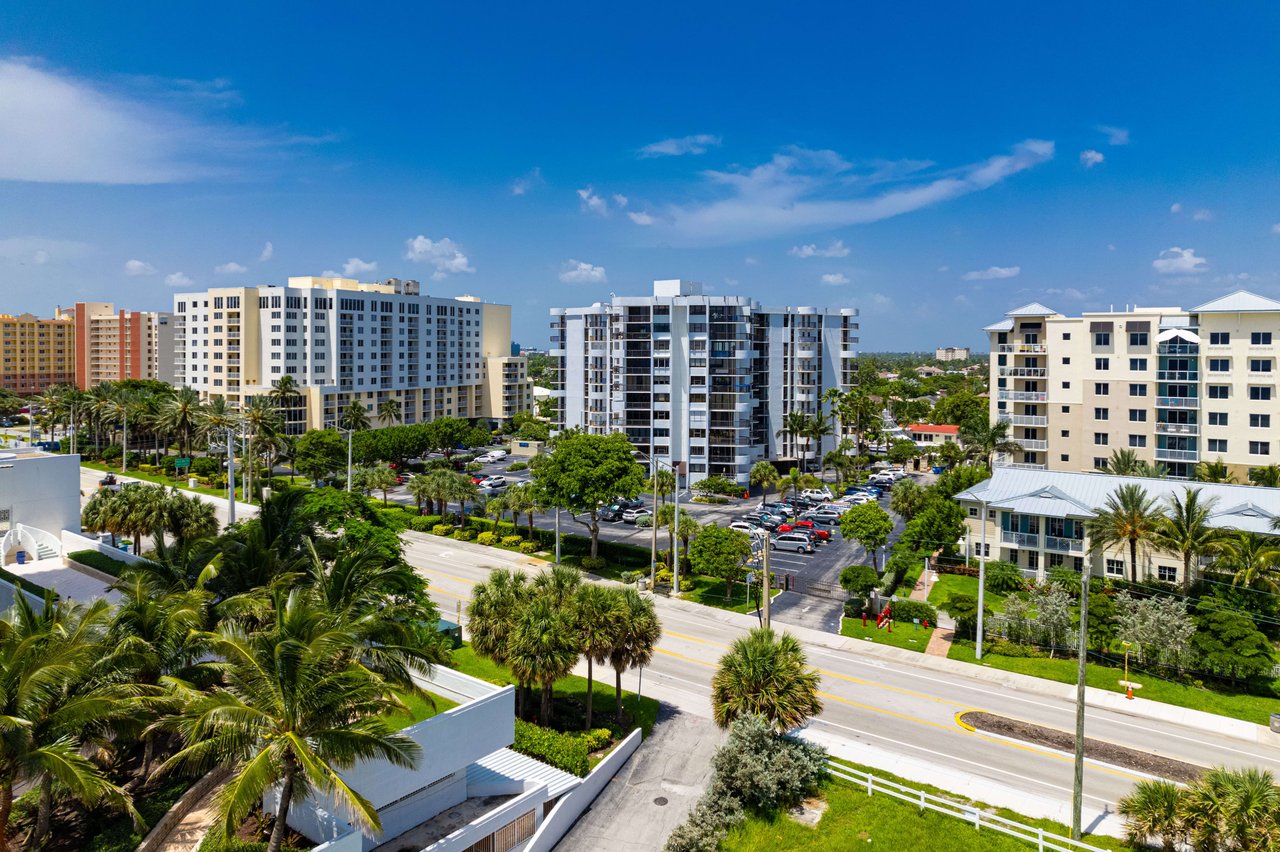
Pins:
<point x="1127" y="685"/>
<point x="766" y="587"/>
<point x="350" y="432"/>
<point x="653" y="546"/>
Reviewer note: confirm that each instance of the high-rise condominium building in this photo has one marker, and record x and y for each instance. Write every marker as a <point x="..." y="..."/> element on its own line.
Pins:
<point x="342" y="341"/>
<point x="113" y="345"/>
<point x="36" y="353"/>
<point x="701" y="380"/>
<point x="951" y="353"/>
<point x="1177" y="387"/>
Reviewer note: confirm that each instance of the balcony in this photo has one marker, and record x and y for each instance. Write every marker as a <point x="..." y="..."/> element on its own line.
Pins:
<point x="1022" y="419"/>
<point x="1177" y="376"/>
<point x="1023" y="396"/>
<point x="1163" y="454"/>
<point x="1177" y="402"/>
<point x="1178" y="349"/>
<point x="1177" y="428"/>
<point x="1002" y="461"/>
<point x="1063" y="545"/>
<point x="1024" y="372"/>
<point x="1020" y="539"/>
<point x="1031" y="443"/>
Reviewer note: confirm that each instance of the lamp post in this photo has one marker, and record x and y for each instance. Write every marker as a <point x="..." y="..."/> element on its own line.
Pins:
<point x="1128" y="687"/>
<point x="982" y="575"/>
<point x="350" y="433"/>
<point x="1077" y="789"/>
<point x="231" y="476"/>
<point x="766" y="587"/>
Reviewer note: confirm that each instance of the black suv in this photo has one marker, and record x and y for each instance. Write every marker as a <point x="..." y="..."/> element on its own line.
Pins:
<point x="624" y="503"/>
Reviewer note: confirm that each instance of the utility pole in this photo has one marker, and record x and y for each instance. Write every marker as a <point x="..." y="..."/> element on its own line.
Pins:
<point x="982" y="575"/>
<point x="1077" y="787"/>
<point x="653" y="544"/>
<point x="766" y="587"/>
<point x="675" y="568"/>
<point x="231" y="476"/>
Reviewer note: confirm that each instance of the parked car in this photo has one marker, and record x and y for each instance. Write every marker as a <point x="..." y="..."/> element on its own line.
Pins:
<point x="858" y="498"/>
<point x="795" y="541"/>
<point x="823" y="493"/>
<point x="612" y="512"/>
<point x="745" y="526"/>
<point x="495" y="481"/>
<point x="881" y="480"/>
<point x="630" y="516"/>
<point x="806" y="527"/>
<point x="492" y="456"/>
<point x="825" y="521"/>
<point x="767" y="521"/>
<point x="628" y="503"/>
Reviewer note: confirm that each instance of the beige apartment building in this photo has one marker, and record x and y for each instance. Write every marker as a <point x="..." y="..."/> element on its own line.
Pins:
<point x="951" y="353"/>
<point x="1176" y="386"/>
<point x="111" y="345"/>
<point x="35" y="353"/>
<point x="342" y="341"/>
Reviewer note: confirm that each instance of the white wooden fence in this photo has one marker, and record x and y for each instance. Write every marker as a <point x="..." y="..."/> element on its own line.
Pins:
<point x="979" y="818"/>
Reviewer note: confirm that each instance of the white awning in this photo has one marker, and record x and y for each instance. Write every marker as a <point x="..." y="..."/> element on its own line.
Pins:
<point x="1178" y="334"/>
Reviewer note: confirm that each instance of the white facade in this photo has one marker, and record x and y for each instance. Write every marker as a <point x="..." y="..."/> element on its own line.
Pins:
<point x="699" y="379"/>
<point x="39" y="489"/>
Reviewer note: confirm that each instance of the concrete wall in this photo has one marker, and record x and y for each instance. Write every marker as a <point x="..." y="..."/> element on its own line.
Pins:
<point x="8" y="591"/>
<point x="495" y="819"/>
<point x="572" y="804"/>
<point x="71" y="542"/>
<point x="42" y="490"/>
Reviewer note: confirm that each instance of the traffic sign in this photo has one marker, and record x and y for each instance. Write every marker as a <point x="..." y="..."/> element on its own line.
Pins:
<point x="182" y="463"/>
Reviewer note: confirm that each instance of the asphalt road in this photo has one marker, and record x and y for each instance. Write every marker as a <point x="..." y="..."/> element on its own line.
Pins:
<point x="878" y="698"/>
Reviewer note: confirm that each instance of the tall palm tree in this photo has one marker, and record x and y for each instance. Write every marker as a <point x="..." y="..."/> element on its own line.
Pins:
<point x="663" y="482"/>
<point x="420" y="489"/>
<point x="262" y="423"/>
<point x="1185" y="530"/>
<point x="816" y="427"/>
<point x="1253" y="559"/>
<point x="599" y="611"/>
<point x="765" y="675"/>
<point x="1151" y="470"/>
<point x="764" y="474"/>
<point x="1129" y="517"/>
<point x="491" y="616"/>
<point x="1214" y="471"/>
<point x="295" y="707"/>
<point x="794" y="424"/>
<point x="521" y="500"/>
<point x="638" y="633"/>
<point x="285" y="395"/>
<point x="381" y="478"/>
<point x="188" y="519"/>
<point x="1267" y="477"/>
<point x="983" y="439"/>
<point x="544" y="647"/>
<point x="354" y="417"/>
<point x="1123" y="463"/>
<point x="180" y="415"/>
<point x="1152" y="810"/>
<point x="390" y="411"/>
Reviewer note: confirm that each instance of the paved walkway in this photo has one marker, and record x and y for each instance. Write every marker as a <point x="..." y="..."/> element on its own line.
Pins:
<point x="69" y="581"/>
<point x="189" y="834"/>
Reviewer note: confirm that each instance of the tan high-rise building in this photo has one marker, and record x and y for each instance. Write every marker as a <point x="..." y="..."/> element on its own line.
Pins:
<point x="112" y="345"/>
<point x="342" y="341"/>
<point x="1177" y="387"/>
<point x="36" y="353"/>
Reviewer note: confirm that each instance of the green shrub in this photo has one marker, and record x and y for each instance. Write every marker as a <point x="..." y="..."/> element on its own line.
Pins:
<point x="99" y="561"/>
<point x="442" y="529"/>
<point x="907" y="610"/>
<point x="488" y="539"/>
<point x="515" y="466"/>
<point x="1067" y="578"/>
<point x="422" y="524"/>
<point x="116" y="833"/>
<point x="1006" y="648"/>
<point x="644" y="522"/>
<point x="717" y="485"/>
<point x="512" y="541"/>
<point x="593" y="563"/>
<point x="859" y="580"/>
<point x="664" y="577"/>
<point x="853" y="607"/>
<point x="473" y="467"/>
<point x="528" y="547"/>
<point x="1004" y="577"/>
<point x="702" y="498"/>
<point x="396" y="518"/>
<point x="563" y="751"/>
<point x="206" y="465"/>
<point x="596" y="738"/>
<point x="463" y="535"/>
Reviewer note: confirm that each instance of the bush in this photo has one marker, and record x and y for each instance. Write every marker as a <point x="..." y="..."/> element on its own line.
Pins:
<point x="1004" y="577"/>
<point x="859" y="580"/>
<point x="644" y="522"/>
<point x="488" y="539"/>
<point x="907" y="610"/>
<point x="717" y="485"/>
<point x="563" y="751"/>
<point x="473" y="467"/>
<point x="1012" y="649"/>
<point x="99" y="561"/>
<point x="206" y="466"/>
<point x="512" y="541"/>
<point x="708" y="823"/>
<point x="593" y="563"/>
<point x="664" y="577"/>
<point x="422" y="524"/>
<point x="116" y="832"/>
<point x="463" y="535"/>
<point x="528" y="547"/>
<point x="442" y="529"/>
<point x="853" y="607"/>
<point x="766" y="771"/>
<point x="397" y="519"/>
<point x="597" y="738"/>
<point x="702" y="498"/>
<point x="1067" y="578"/>
<point x="516" y="466"/>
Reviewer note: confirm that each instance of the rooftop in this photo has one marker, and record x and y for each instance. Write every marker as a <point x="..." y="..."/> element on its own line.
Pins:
<point x="935" y="428"/>
<point x="1241" y="301"/>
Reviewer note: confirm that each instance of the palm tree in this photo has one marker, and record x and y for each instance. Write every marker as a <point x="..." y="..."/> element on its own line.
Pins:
<point x="390" y="411"/>
<point x="765" y="675"/>
<point x="262" y="424"/>
<point x="764" y="474"/>
<point x="1267" y="477"/>
<point x="794" y="424"/>
<point x="188" y="519"/>
<point x="599" y="611"/>
<point x="380" y="479"/>
<point x="663" y="482"/>
<point x="1123" y="463"/>
<point x="354" y="417"/>
<point x="521" y="500"/>
<point x="1130" y="517"/>
<point x="1152" y="810"/>
<point x="1185" y="530"/>
<point x="983" y="439"/>
<point x="1215" y="471"/>
<point x="284" y="393"/>
<point x="816" y="427"/>
<point x="1151" y="470"/>
<point x="908" y="498"/>
<point x="296" y="706"/>
<point x="638" y="633"/>
<point x="420" y="489"/>
<point x="1253" y="559"/>
<point x="180" y="415"/>
<point x="544" y="647"/>
<point x="491" y="615"/>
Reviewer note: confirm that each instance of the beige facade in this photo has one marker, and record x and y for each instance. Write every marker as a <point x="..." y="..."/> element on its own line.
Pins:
<point x="1176" y="387"/>
<point x="112" y="345"/>
<point x="951" y="353"/>
<point x="344" y="341"/>
<point x="35" y="353"/>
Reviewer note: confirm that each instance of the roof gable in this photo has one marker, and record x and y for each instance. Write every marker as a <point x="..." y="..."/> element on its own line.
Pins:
<point x="1003" y="325"/>
<point x="1035" y="309"/>
<point x="1239" y="301"/>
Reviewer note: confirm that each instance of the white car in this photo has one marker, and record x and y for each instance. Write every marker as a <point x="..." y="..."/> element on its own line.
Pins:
<point x="632" y="515"/>
<point x="493" y="482"/>
<point x="492" y="456"/>
<point x="823" y="493"/>
<point x="745" y="526"/>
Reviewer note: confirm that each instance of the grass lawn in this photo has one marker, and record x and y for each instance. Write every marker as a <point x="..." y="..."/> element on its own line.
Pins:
<point x="1251" y="708"/>
<point x="420" y="709"/>
<point x="949" y="584"/>
<point x="157" y="478"/>
<point x="709" y="591"/>
<point x="853" y="820"/>
<point x="909" y="636"/>
<point x="572" y="688"/>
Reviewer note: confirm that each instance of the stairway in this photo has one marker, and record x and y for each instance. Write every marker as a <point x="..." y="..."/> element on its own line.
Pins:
<point x="44" y="551"/>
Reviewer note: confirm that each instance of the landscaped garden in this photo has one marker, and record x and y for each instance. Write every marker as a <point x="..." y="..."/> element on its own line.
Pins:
<point x="913" y="637"/>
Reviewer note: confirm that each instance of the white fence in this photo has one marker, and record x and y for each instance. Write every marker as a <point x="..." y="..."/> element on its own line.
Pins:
<point x="979" y="818"/>
<point x="572" y="804"/>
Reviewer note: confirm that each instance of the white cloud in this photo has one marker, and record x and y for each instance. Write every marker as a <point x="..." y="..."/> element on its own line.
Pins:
<point x="1091" y="158"/>
<point x="231" y="268"/>
<point x="268" y="252"/>
<point x="944" y="268"/>
<point x="876" y="301"/>
<point x="138" y="267"/>
<point x="59" y="128"/>
<point x="992" y="272"/>
<point x="331" y="273"/>
<point x="620" y="199"/>
<point x="678" y="147"/>
<point x="835" y="278"/>
<point x="37" y="251"/>
<point x="39" y="257"/>
<point x="354" y="266"/>
<point x="750" y="260"/>
<point x="640" y="218"/>
<point x="523" y="185"/>
<point x="1179" y="261"/>
<point x="178" y="279"/>
<point x="1275" y="229"/>
<point x="1202" y="215"/>
<point x="581" y="272"/>
<point x="1073" y="292"/>
<point x="1175" y="207"/>
<point x="1111" y="246"/>
<point x="836" y="249"/>
<point x="443" y="254"/>
<point x="592" y="203"/>
<point x="801" y="189"/>
<point x="1115" y="135"/>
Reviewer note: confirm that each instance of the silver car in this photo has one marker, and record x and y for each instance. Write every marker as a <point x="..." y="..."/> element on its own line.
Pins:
<point x="799" y="542"/>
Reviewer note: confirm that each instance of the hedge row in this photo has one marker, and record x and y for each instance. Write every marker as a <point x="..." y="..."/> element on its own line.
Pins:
<point x="563" y="751"/>
<point x="907" y="610"/>
<point x="15" y="580"/>
<point x="99" y="561"/>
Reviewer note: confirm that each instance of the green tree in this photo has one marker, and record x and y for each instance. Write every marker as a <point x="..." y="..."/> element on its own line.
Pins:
<point x="544" y="647"/>
<point x="1229" y="643"/>
<point x="870" y="526"/>
<point x="1128" y="518"/>
<point x="859" y="580"/>
<point x="638" y="633"/>
<point x="380" y="478"/>
<point x="585" y="472"/>
<point x="722" y="553"/>
<point x="764" y="474"/>
<point x="491" y="618"/>
<point x="794" y="425"/>
<point x="1185" y="530"/>
<point x="390" y="412"/>
<point x="1267" y="477"/>
<point x="354" y="417"/>
<point x="522" y="500"/>
<point x="908" y="498"/>
<point x="422" y="491"/>
<point x="1102" y="620"/>
<point x="663" y="483"/>
<point x="1152" y="810"/>
<point x="939" y="525"/>
<point x="1213" y="471"/>
<point x="982" y="439"/>
<point x="963" y="609"/>
<point x="1253" y="559"/>
<point x="1123" y="462"/>
<point x="319" y="452"/>
<point x="766" y="675"/>
<point x="600" y="617"/>
<point x="959" y="408"/>
<point x="903" y="451"/>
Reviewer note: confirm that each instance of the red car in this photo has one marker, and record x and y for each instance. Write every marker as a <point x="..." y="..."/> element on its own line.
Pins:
<point x="478" y="479"/>
<point x="808" y="527"/>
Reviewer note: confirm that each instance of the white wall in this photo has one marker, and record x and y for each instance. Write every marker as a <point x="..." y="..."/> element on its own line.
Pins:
<point x="495" y="819"/>
<point x="42" y="490"/>
<point x="71" y="542"/>
<point x="572" y="804"/>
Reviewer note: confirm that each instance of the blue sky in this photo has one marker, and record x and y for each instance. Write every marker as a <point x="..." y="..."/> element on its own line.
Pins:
<point x="933" y="164"/>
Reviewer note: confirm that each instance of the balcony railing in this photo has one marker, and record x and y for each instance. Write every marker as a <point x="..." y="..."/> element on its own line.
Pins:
<point x="1177" y="376"/>
<point x="1023" y="396"/>
<point x="1020" y="539"/>
<point x="1024" y="372"/>
<point x="1163" y="454"/>
<point x="1178" y="349"/>
<point x="1063" y="545"/>
<point x="1001" y="461"/>
<point x="1023" y="419"/>
<point x="1177" y="428"/>
<point x="1022" y="348"/>
<point x="1177" y="402"/>
<point x="1031" y="443"/>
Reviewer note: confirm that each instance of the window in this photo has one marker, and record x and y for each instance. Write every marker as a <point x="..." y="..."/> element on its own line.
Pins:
<point x="1066" y="361"/>
<point x="1115" y="567"/>
<point x="1137" y="415"/>
<point x="1260" y="338"/>
<point x="1219" y="365"/>
<point x="1259" y="392"/>
<point x="1066" y="335"/>
<point x="1259" y="448"/>
<point x="1259" y="365"/>
<point x="1056" y="560"/>
<point x="973" y="512"/>
<point x="1064" y="457"/>
<point x="1101" y="439"/>
<point x="1260" y="421"/>
<point x="1033" y="559"/>
<point x="1077" y="562"/>
<point x="1066" y="385"/>
<point x="1138" y="365"/>
<point x="1137" y="440"/>
<point x="1099" y="463"/>
<point x="1217" y="418"/>
<point x="1167" y="573"/>
<point x="1102" y="388"/>
<point x="1101" y="414"/>
<point x="1219" y="338"/>
<point x="1102" y="363"/>
<point x="1066" y="409"/>
<point x="1218" y="391"/>
<point x="1066" y="433"/>
<point x="1137" y="390"/>
<point x="1138" y="338"/>
<point x="1102" y="338"/>
<point x="1217" y="445"/>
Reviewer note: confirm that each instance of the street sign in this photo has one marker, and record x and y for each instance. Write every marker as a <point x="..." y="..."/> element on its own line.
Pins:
<point x="182" y="463"/>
